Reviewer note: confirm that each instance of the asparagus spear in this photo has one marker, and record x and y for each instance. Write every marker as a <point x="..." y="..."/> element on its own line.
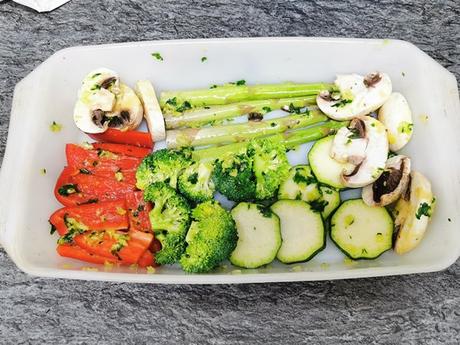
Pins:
<point x="240" y="132"/>
<point x="289" y="140"/>
<point x="201" y="116"/>
<point x="230" y="93"/>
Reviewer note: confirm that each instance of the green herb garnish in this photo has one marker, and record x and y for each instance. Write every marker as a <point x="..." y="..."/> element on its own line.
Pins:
<point x="341" y="103"/>
<point x="157" y="56"/>
<point x="424" y="209"/>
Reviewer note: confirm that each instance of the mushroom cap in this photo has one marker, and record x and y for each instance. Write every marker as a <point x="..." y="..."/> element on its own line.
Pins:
<point x="396" y="115"/>
<point x="376" y="153"/>
<point x="357" y="95"/>
<point x="98" y="92"/>
<point x="413" y="213"/>
<point x="393" y="182"/>
<point x="152" y="110"/>
<point x="345" y="148"/>
<point x="128" y="104"/>
<point x="101" y="108"/>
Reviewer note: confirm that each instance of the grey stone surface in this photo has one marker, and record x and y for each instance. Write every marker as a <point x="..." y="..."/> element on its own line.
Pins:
<point x="418" y="309"/>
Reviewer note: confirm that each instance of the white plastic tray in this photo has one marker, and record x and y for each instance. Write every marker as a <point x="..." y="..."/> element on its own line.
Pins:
<point x="48" y="94"/>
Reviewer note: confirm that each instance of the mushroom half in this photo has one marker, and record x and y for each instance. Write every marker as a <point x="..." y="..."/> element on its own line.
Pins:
<point x="412" y="213"/>
<point x="369" y="158"/>
<point x="396" y="115"/>
<point x="355" y="95"/>
<point x="393" y="182"/>
<point x="104" y="102"/>
<point x="152" y="110"/>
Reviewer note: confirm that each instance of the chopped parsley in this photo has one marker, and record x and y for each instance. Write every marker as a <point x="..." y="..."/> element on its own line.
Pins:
<point x="341" y="103"/>
<point x="68" y="189"/>
<point x="265" y="211"/>
<point x="405" y="127"/>
<point x="185" y="106"/>
<point x="204" y="59"/>
<point x="55" y="127"/>
<point x="121" y="242"/>
<point x="53" y="229"/>
<point x="267" y="109"/>
<point x="240" y="82"/>
<point x="424" y="209"/>
<point x="213" y="86"/>
<point x="74" y="228"/>
<point x="299" y="178"/>
<point x="172" y="101"/>
<point x="95" y="75"/>
<point x="157" y="56"/>
<point x="85" y="171"/>
<point x="318" y="205"/>
<point x="298" y="110"/>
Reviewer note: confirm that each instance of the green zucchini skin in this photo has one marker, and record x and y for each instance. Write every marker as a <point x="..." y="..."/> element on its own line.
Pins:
<point x="314" y="232"/>
<point x="380" y="217"/>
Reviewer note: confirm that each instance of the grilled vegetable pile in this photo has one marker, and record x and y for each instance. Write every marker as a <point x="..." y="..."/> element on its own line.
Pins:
<point x="228" y="145"/>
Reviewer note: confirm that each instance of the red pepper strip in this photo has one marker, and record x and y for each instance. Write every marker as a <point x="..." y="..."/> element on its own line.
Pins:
<point x="147" y="259"/>
<point x="75" y="252"/>
<point x="100" y="216"/>
<point x="74" y="188"/>
<point x="114" y="166"/>
<point x="135" y="138"/>
<point x="127" y="150"/>
<point x="105" y="244"/>
<point x="138" y="212"/>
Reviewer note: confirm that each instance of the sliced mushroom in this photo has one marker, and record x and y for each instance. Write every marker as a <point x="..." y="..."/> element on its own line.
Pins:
<point x="396" y="115"/>
<point x="413" y="212"/>
<point x="375" y="154"/>
<point x="348" y="146"/>
<point x="104" y="102"/>
<point x="356" y="95"/>
<point x="152" y="110"/>
<point x="128" y="112"/>
<point x="391" y="184"/>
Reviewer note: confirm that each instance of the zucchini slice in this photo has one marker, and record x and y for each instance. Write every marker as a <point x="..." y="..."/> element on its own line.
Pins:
<point x="326" y="169"/>
<point x="361" y="231"/>
<point x="302" y="231"/>
<point x="259" y="236"/>
<point x="300" y="185"/>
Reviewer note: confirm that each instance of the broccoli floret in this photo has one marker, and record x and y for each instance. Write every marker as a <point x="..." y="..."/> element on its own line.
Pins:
<point x="234" y="178"/>
<point x="170" y="219"/>
<point x="195" y="182"/>
<point x="162" y="166"/>
<point x="270" y="166"/>
<point x="211" y="239"/>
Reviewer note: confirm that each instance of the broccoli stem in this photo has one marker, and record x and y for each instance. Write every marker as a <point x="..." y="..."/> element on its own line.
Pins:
<point x="240" y="132"/>
<point x="230" y="93"/>
<point x="198" y="117"/>
<point x="289" y="140"/>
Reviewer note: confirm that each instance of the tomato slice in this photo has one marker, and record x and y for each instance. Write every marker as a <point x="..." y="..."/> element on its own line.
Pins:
<point x="75" y="252"/>
<point x="99" y="162"/>
<point x="74" y="188"/>
<point x="138" y="212"/>
<point x="128" y="150"/>
<point x="135" y="138"/>
<point x="126" y="246"/>
<point x="100" y="216"/>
